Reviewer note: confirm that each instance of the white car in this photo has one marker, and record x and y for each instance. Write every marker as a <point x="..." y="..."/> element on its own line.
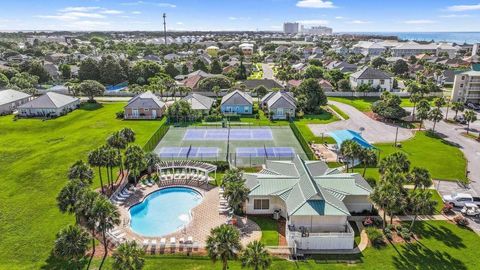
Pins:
<point x="460" y="199"/>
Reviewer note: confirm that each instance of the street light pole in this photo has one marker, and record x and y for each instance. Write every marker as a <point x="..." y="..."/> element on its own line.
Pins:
<point x="396" y="136"/>
<point x="165" y="27"/>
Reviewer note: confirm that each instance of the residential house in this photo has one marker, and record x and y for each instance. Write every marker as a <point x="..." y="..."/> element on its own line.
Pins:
<point x="171" y="57"/>
<point x="412" y="48"/>
<point x="279" y="104"/>
<point x="237" y="102"/>
<point x="52" y="70"/>
<point x="466" y="87"/>
<point x="344" y="67"/>
<point x="49" y="105"/>
<point x="11" y="99"/>
<point x="247" y="49"/>
<point x="194" y="78"/>
<point x="281" y="49"/>
<point x="315" y="201"/>
<point x="153" y="58"/>
<point x="376" y="78"/>
<point x="199" y="102"/>
<point x="144" y="106"/>
<point x="326" y="85"/>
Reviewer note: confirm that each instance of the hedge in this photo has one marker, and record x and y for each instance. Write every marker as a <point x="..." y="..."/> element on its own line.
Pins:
<point x="303" y="142"/>
<point x="156" y="137"/>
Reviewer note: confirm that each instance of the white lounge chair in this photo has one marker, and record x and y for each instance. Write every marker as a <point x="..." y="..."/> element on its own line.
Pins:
<point x="149" y="183"/>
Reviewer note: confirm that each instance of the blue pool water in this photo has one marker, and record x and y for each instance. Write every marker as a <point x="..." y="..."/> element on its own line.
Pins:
<point x="164" y="211"/>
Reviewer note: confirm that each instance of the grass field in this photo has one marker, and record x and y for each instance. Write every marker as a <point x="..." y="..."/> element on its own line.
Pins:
<point x="364" y="104"/>
<point x="34" y="159"/>
<point x="269" y="228"/>
<point x="441" y="245"/>
<point x="339" y="112"/>
<point x="444" y="160"/>
<point x="323" y="118"/>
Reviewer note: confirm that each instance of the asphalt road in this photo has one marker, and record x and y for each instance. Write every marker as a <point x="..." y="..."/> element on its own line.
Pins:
<point x="373" y="131"/>
<point x="267" y="72"/>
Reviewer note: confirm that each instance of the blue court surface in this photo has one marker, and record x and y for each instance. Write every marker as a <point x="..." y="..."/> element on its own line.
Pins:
<point x="277" y="152"/>
<point x="184" y="152"/>
<point x="222" y="134"/>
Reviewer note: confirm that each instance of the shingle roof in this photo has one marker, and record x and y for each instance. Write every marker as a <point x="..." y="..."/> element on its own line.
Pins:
<point x="369" y="73"/>
<point x="269" y="84"/>
<point x="145" y="100"/>
<point x="237" y="97"/>
<point x="10" y="95"/>
<point x="289" y="100"/>
<point x="199" y="102"/>
<point x="50" y="100"/>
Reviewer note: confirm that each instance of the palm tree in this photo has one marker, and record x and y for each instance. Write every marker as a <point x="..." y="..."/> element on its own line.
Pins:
<point x="151" y="160"/>
<point x="135" y="160"/>
<point x="439" y="102"/>
<point x="435" y="115"/>
<point x="71" y="243"/>
<point x="389" y="197"/>
<point x="95" y="159"/>
<point x="456" y="107"/>
<point x="232" y="175"/>
<point x="84" y="211"/>
<point x="395" y="163"/>
<point x="108" y="217"/>
<point x="128" y="256"/>
<point x="256" y="256"/>
<point x="128" y="134"/>
<point x="119" y="142"/>
<point x="419" y="177"/>
<point x="112" y="160"/>
<point x="80" y="170"/>
<point x="236" y="193"/>
<point x="423" y="108"/>
<point x="368" y="157"/>
<point x="421" y="203"/>
<point x="350" y="150"/>
<point x="415" y="98"/>
<point x="223" y="244"/>
<point x="470" y="116"/>
<point x="69" y="196"/>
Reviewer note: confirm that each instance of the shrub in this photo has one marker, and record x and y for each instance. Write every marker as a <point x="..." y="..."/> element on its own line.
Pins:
<point x="461" y="221"/>
<point x="399" y="228"/>
<point x="389" y="236"/>
<point x="375" y="236"/>
<point x="447" y="208"/>
<point x="120" y="114"/>
<point x="213" y="118"/>
<point x="390" y="227"/>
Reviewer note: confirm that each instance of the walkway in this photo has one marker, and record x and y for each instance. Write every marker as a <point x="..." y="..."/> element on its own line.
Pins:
<point x="267" y="72"/>
<point x="374" y="131"/>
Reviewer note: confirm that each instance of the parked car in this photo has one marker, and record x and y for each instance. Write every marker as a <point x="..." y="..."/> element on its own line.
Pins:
<point x="460" y="119"/>
<point x="460" y="199"/>
<point x="470" y="209"/>
<point x="473" y="106"/>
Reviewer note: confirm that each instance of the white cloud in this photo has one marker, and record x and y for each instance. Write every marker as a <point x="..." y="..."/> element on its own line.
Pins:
<point x="138" y="3"/>
<point x="180" y="23"/>
<point x="339" y="17"/>
<point x="456" y="16"/>
<point x="232" y="18"/>
<point x="136" y="12"/>
<point x="79" y="9"/>
<point x="315" y="4"/>
<point x="419" y="22"/>
<point x="359" y="22"/>
<point x="111" y="11"/>
<point x="313" y="22"/>
<point x="166" y="5"/>
<point x="464" y="7"/>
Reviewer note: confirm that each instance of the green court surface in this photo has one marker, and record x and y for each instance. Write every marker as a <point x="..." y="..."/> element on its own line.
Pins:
<point x="282" y="137"/>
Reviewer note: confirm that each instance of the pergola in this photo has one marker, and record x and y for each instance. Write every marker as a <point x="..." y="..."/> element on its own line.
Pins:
<point x="187" y="166"/>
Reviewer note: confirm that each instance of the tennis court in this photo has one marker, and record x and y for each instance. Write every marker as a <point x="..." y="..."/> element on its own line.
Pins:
<point x="269" y="152"/>
<point x="242" y="146"/>
<point x="235" y="134"/>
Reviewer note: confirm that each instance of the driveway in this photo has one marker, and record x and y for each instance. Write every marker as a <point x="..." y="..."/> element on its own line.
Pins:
<point x="469" y="147"/>
<point x="267" y="71"/>
<point x="373" y="131"/>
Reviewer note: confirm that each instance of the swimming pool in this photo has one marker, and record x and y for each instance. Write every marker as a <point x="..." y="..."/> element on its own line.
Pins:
<point x="164" y="211"/>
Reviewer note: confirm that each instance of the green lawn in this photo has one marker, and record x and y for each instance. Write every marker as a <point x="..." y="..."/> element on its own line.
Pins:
<point x="269" y="228"/>
<point x="441" y="246"/>
<point x="323" y="118"/>
<point x="34" y="159"/>
<point x="444" y="160"/>
<point x="364" y="104"/>
<point x="339" y="112"/>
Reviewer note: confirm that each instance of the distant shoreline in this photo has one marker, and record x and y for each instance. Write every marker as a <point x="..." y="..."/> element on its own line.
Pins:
<point x="457" y="37"/>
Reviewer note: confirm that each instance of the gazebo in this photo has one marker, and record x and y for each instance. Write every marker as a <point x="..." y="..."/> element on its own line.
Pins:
<point x="185" y="170"/>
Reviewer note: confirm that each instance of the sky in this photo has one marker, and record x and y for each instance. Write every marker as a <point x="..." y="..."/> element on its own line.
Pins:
<point x="251" y="15"/>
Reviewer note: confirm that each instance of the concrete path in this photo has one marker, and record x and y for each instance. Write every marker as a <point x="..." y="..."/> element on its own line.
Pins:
<point x="363" y="236"/>
<point x="374" y="131"/>
<point x="267" y="72"/>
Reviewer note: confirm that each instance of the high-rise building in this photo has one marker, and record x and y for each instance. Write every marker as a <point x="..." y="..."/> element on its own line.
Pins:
<point x="291" y="28"/>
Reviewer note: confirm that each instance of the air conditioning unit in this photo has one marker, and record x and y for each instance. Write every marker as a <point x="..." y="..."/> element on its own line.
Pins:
<point x="276" y="214"/>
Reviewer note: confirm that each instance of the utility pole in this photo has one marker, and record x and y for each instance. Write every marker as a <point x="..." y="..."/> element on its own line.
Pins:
<point x="165" y="28"/>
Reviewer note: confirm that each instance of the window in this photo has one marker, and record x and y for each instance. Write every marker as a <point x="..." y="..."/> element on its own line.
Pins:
<point x="382" y="81"/>
<point x="461" y="85"/>
<point x="370" y="81"/>
<point x="246" y="109"/>
<point x="261" y="204"/>
<point x="463" y="78"/>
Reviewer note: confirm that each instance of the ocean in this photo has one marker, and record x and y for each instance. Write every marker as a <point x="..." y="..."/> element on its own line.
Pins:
<point x="457" y="37"/>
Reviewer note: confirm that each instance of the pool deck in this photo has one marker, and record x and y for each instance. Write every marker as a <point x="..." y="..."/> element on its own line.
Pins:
<point x="205" y="216"/>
